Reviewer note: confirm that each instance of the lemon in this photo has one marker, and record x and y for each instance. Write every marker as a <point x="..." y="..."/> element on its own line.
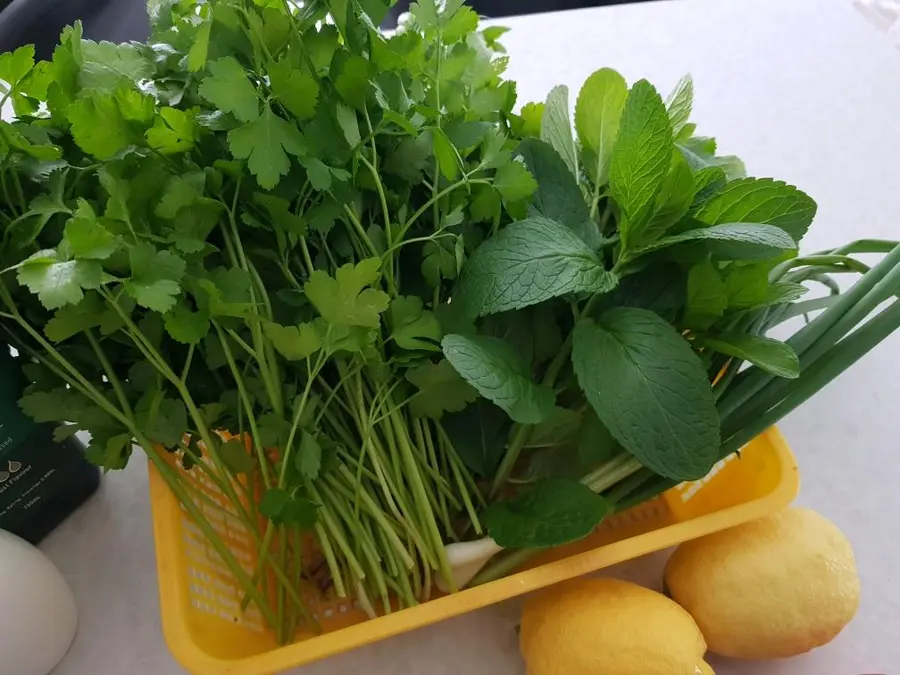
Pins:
<point x="771" y="588"/>
<point x="609" y="627"/>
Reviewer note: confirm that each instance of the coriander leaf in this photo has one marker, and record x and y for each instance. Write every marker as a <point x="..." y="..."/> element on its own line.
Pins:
<point x="185" y="326"/>
<point x="309" y="456"/>
<point x="85" y="237"/>
<point x="352" y="81"/>
<point x="529" y="121"/>
<point x="264" y="142"/>
<point x="106" y="65"/>
<point x="680" y="102"/>
<point x="650" y="390"/>
<point x="479" y="435"/>
<point x="500" y="375"/>
<point x="15" y="65"/>
<point x="294" y="343"/>
<point x="707" y="297"/>
<point x="558" y="196"/>
<point x="556" y="128"/>
<point x="228" y="88"/>
<point x="641" y="158"/>
<point x="155" y="277"/>
<point x="445" y="154"/>
<point x="513" y="182"/>
<point x="173" y="131"/>
<point x="526" y="263"/>
<point x="163" y="420"/>
<point x="344" y="300"/>
<point x="597" y="115"/>
<point x="441" y="389"/>
<point x="71" y="320"/>
<point x="346" y="118"/>
<point x="282" y="508"/>
<point x="760" y="200"/>
<point x="59" y="282"/>
<point x="235" y="456"/>
<point x="180" y="192"/>
<point x="553" y="512"/>
<point x="196" y="58"/>
<point x="771" y="355"/>
<point x="733" y="241"/>
<point x="297" y="90"/>
<point x="412" y="327"/>
<point x="462" y="23"/>
<point x="98" y="126"/>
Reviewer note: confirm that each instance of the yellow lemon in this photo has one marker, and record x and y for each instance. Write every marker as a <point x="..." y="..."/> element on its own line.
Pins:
<point x="771" y="588"/>
<point x="609" y="627"/>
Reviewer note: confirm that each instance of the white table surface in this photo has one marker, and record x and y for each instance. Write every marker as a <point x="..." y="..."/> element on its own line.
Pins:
<point x="803" y="90"/>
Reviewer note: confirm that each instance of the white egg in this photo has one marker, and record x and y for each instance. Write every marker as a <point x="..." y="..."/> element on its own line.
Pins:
<point x="38" y="617"/>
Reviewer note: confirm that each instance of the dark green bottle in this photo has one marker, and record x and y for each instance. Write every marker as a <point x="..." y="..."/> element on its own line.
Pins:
<point x="41" y="481"/>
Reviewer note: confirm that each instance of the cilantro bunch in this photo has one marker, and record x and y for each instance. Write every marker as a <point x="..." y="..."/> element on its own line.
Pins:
<point x="336" y="285"/>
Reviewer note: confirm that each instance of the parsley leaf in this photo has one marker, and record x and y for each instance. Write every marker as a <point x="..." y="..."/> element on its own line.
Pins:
<point x="345" y="300"/>
<point x="155" y="277"/>
<point x="228" y="88"/>
<point x="441" y="389"/>
<point x="265" y="142"/>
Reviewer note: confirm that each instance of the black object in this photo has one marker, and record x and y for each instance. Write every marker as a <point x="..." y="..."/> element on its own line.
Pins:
<point x="39" y="22"/>
<point x="41" y="481"/>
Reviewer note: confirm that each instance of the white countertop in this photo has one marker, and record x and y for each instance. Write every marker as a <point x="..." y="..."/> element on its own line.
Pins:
<point x="803" y="90"/>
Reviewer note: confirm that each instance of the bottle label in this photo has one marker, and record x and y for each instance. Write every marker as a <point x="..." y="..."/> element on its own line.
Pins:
<point x="30" y="472"/>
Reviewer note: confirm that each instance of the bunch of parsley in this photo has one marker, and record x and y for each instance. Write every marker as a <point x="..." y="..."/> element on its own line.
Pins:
<point x="418" y="313"/>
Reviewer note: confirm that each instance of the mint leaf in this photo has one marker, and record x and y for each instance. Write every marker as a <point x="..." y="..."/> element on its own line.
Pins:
<point x="173" y="131"/>
<point x="556" y="128"/>
<point x="558" y="196"/>
<point x="760" y="200"/>
<point x="412" y="327"/>
<point x="675" y="196"/>
<point x="513" y="182"/>
<point x="679" y="103"/>
<point x="264" y="142"/>
<point x="479" y="434"/>
<point x="59" y="282"/>
<point x="309" y="457"/>
<point x="771" y="355"/>
<point x="500" y="375"/>
<point x="746" y="285"/>
<point x="733" y="241"/>
<point x="553" y="512"/>
<point x="294" y="343"/>
<point x="345" y="300"/>
<point x="641" y="158"/>
<point x="597" y="117"/>
<point x="441" y="389"/>
<point x="297" y="90"/>
<point x="228" y="88"/>
<point x="650" y="390"/>
<point x="526" y="263"/>
<point x="155" y="277"/>
<point x="707" y="297"/>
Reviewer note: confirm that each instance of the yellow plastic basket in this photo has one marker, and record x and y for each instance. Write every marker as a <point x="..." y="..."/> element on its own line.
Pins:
<point x="208" y="634"/>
